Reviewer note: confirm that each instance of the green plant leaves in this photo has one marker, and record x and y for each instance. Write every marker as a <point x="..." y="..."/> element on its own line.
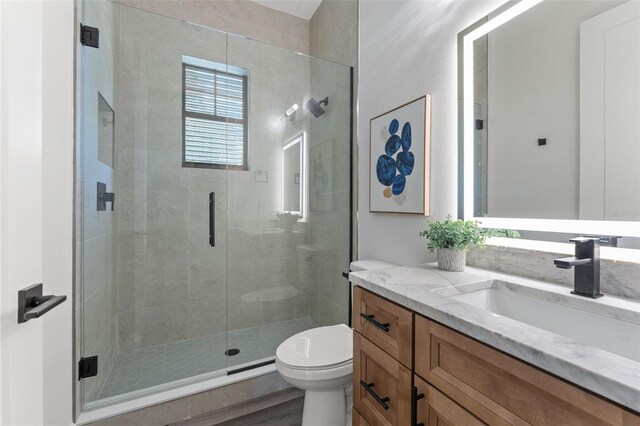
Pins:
<point x="454" y="234"/>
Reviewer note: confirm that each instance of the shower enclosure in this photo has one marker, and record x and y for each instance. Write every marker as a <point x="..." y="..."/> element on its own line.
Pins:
<point x="213" y="216"/>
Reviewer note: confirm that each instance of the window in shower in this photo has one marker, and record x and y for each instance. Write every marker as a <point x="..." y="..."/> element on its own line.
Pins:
<point x="214" y="115"/>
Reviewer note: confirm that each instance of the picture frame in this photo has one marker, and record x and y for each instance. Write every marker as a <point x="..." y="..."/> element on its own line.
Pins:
<point x="399" y="159"/>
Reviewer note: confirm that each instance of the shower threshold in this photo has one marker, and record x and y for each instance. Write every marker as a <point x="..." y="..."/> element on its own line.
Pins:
<point x="136" y="371"/>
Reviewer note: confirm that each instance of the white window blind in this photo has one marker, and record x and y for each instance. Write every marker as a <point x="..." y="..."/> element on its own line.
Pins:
<point x="215" y="122"/>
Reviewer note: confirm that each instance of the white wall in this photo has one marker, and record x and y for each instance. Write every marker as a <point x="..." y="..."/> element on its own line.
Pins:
<point x="36" y="110"/>
<point x="407" y="49"/>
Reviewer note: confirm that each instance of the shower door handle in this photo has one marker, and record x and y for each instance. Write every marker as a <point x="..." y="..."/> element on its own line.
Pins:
<point x="212" y="219"/>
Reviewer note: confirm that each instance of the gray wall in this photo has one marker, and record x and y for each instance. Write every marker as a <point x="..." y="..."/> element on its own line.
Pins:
<point x="240" y="17"/>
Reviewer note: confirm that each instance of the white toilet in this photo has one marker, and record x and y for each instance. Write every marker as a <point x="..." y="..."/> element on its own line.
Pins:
<point x="320" y="362"/>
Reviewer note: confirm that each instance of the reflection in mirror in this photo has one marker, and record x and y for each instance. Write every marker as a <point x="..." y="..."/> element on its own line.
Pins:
<point x="563" y="237"/>
<point x="292" y="176"/>
<point x="106" y="118"/>
<point x="555" y="136"/>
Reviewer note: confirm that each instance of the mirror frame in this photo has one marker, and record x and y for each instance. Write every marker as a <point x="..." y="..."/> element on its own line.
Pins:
<point x="291" y="143"/>
<point x="466" y="39"/>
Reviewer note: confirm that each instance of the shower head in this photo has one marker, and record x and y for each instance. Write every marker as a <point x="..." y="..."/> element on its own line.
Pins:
<point x="315" y="107"/>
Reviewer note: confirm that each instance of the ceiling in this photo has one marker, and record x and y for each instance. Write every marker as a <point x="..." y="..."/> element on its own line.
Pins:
<point x="301" y="8"/>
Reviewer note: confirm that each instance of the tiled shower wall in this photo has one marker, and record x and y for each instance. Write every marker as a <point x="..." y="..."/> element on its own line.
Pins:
<point x="171" y="284"/>
<point x="333" y="36"/>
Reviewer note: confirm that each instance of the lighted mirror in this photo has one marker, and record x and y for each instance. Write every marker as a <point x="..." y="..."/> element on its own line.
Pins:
<point x="106" y="118"/>
<point x="293" y="176"/>
<point x="550" y="128"/>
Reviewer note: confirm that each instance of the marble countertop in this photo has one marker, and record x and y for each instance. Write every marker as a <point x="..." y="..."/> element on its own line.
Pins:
<point x="424" y="288"/>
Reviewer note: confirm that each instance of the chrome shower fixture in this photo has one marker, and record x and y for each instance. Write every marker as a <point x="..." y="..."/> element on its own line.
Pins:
<point x="315" y="107"/>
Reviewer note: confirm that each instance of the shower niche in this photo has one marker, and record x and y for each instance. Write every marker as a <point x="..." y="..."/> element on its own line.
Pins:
<point x="158" y="304"/>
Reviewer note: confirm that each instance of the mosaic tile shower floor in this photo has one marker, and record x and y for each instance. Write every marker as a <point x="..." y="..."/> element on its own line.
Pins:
<point x="162" y="364"/>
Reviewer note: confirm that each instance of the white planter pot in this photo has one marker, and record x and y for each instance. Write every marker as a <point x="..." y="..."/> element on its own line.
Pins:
<point x="451" y="259"/>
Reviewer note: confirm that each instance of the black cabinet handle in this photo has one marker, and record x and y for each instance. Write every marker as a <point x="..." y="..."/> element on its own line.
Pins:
<point x="415" y="397"/>
<point x="212" y="219"/>
<point x="381" y="401"/>
<point x="384" y="327"/>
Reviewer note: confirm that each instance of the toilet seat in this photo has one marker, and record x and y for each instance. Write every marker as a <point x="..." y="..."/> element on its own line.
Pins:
<point x="317" y="349"/>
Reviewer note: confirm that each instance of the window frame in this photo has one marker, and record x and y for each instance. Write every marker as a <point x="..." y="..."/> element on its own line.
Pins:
<point x="221" y="119"/>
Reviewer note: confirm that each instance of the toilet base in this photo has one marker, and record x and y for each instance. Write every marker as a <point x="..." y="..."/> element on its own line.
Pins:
<point x="324" y="408"/>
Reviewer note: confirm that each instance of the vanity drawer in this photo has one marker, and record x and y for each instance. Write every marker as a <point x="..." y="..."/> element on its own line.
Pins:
<point x="357" y="419"/>
<point x="386" y="324"/>
<point x="434" y="408"/>
<point x="500" y="389"/>
<point x="381" y="385"/>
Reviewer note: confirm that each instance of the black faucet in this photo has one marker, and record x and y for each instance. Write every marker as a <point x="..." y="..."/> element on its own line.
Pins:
<point x="587" y="266"/>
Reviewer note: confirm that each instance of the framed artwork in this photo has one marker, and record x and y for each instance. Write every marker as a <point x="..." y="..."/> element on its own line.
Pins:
<point x="321" y="176"/>
<point x="399" y="159"/>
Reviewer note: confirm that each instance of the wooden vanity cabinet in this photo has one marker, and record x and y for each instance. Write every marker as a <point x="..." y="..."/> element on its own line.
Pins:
<point x="384" y="323"/>
<point x="357" y="419"/>
<point x="432" y="407"/>
<point x="500" y="389"/>
<point x="413" y="370"/>
<point x="382" y="385"/>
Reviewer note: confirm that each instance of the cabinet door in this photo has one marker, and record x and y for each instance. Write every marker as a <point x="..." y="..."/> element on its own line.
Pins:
<point x="433" y="408"/>
<point x="499" y="389"/>
<point x="386" y="324"/>
<point x="358" y="420"/>
<point x="381" y="385"/>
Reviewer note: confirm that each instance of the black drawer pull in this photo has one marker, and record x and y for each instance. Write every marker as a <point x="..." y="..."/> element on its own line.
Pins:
<point x="415" y="397"/>
<point x="381" y="401"/>
<point x="384" y="327"/>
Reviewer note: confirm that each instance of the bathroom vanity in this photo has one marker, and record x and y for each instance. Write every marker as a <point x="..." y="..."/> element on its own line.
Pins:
<point x="471" y="348"/>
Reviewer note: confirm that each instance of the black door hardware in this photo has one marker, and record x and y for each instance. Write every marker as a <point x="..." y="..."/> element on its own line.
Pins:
<point x="32" y="304"/>
<point x="415" y="397"/>
<point x="89" y="36"/>
<point x="381" y="401"/>
<point x="105" y="197"/>
<point x="88" y="367"/>
<point x="384" y="327"/>
<point x="212" y="219"/>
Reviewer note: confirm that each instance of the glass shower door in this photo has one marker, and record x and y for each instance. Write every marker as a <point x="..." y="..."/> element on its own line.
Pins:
<point x="153" y="283"/>
<point x="214" y="220"/>
<point x="288" y="213"/>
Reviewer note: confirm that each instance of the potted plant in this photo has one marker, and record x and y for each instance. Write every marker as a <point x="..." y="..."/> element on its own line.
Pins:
<point x="452" y="238"/>
<point x="287" y="220"/>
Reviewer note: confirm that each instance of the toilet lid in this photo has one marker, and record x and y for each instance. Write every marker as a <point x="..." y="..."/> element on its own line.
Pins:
<point x="317" y="348"/>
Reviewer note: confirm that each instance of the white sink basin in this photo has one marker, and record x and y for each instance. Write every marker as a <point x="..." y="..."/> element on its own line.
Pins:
<point x="609" y="323"/>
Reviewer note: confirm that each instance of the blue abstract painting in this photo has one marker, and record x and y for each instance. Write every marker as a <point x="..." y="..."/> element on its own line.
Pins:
<point x="398" y="148"/>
